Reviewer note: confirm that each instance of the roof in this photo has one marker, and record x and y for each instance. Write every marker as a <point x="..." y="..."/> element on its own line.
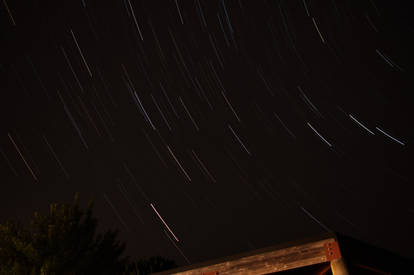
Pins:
<point x="276" y="258"/>
<point x="315" y="251"/>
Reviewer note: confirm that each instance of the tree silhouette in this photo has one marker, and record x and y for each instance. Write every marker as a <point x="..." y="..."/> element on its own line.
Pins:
<point x="65" y="242"/>
<point x="62" y="242"/>
<point x="150" y="265"/>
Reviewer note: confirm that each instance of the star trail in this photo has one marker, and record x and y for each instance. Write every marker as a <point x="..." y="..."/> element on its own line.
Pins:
<point x="208" y="128"/>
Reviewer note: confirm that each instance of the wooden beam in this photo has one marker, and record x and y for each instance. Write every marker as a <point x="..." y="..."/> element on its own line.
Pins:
<point x="339" y="267"/>
<point x="264" y="261"/>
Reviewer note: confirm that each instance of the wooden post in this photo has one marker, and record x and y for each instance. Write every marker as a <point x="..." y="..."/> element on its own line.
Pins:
<point x="338" y="267"/>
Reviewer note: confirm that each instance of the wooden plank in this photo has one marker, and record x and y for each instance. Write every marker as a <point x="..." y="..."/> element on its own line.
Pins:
<point x="263" y="262"/>
<point x="338" y="267"/>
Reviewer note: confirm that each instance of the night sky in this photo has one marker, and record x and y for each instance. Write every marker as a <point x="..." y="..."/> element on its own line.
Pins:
<point x="205" y="128"/>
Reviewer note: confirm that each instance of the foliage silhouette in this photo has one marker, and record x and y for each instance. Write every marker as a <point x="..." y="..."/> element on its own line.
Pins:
<point x="65" y="242"/>
<point x="148" y="266"/>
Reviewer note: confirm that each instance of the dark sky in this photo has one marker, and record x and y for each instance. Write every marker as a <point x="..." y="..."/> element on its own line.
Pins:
<point x="207" y="128"/>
